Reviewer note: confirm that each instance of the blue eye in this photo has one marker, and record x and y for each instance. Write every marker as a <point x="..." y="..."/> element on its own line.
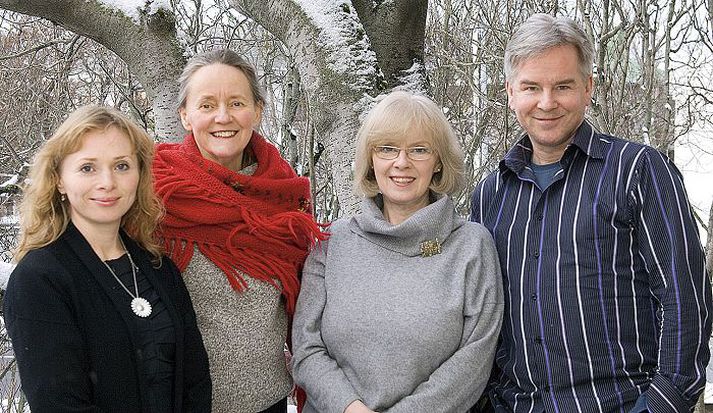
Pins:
<point x="123" y="166"/>
<point x="387" y="150"/>
<point x="419" y="150"/>
<point x="86" y="168"/>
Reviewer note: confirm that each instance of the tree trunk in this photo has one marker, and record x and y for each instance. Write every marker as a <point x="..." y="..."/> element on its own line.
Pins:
<point x="709" y="245"/>
<point x="338" y="68"/>
<point x="149" y="47"/>
<point x="396" y="32"/>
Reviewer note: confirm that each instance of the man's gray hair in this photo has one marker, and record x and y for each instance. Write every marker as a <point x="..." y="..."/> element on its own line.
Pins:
<point x="541" y="32"/>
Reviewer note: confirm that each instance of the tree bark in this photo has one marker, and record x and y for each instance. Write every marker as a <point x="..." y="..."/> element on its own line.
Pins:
<point x="709" y="245"/>
<point x="150" y="48"/>
<point x="396" y="31"/>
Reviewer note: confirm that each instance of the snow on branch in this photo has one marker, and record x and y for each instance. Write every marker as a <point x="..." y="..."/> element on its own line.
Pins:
<point x="134" y="9"/>
<point x="343" y="37"/>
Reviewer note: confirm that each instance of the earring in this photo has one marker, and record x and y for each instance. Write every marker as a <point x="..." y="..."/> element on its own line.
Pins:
<point x="62" y="197"/>
<point x="437" y="170"/>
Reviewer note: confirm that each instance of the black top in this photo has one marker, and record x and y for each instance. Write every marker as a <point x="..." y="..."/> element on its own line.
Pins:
<point x="75" y="337"/>
<point x="155" y="335"/>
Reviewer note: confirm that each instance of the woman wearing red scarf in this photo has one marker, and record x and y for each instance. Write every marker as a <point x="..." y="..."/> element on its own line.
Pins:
<point x="238" y="225"/>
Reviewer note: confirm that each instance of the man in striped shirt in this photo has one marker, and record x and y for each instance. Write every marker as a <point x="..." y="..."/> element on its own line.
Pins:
<point x="607" y="298"/>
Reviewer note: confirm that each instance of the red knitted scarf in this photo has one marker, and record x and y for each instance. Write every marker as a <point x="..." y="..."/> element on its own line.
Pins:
<point x="260" y="225"/>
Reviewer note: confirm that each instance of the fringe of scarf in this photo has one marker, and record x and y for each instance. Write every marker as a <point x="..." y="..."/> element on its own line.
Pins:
<point x="258" y="225"/>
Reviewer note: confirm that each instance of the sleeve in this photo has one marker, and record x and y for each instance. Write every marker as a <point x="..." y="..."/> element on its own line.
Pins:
<point x="48" y="344"/>
<point x="326" y="385"/>
<point x="197" y="385"/>
<point x="476" y="204"/>
<point x="670" y="247"/>
<point x="458" y="383"/>
<point x="482" y="196"/>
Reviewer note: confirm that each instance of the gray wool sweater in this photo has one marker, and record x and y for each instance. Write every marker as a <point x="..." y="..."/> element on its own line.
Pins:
<point x="378" y="322"/>
<point x="244" y="334"/>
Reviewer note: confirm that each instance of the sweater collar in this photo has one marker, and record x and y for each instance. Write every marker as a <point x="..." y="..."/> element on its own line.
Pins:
<point x="433" y="222"/>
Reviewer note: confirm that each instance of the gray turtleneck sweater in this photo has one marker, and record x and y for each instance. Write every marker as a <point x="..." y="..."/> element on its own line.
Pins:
<point x="378" y="322"/>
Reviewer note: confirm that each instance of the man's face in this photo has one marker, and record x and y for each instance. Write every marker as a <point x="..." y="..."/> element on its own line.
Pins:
<point x="549" y="96"/>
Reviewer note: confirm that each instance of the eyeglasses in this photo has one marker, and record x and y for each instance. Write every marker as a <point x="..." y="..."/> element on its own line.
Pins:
<point x="415" y="153"/>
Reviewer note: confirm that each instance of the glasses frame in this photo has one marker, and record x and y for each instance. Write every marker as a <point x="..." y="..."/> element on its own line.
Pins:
<point x="409" y="152"/>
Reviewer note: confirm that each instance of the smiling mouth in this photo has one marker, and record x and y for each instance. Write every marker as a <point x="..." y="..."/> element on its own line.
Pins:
<point x="105" y="201"/>
<point x="400" y="180"/>
<point x="224" y="133"/>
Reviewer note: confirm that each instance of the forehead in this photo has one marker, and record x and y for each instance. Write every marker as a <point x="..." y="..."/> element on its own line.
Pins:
<point x="103" y="143"/>
<point x="554" y="64"/>
<point x="410" y="137"/>
<point x="218" y="79"/>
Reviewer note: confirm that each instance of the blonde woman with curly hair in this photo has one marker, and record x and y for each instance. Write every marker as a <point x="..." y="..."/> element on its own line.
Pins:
<point x="98" y="319"/>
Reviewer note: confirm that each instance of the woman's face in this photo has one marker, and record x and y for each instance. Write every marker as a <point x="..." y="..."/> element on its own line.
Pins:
<point x="100" y="180"/>
<point x="221" y="113"/>
<point x="402" y="181"/>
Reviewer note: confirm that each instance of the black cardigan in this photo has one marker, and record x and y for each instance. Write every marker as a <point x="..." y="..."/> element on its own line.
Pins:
<point x="72" y="341"/>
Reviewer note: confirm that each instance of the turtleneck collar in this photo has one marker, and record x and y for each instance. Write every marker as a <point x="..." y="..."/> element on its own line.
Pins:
<point x="435" y="221"/>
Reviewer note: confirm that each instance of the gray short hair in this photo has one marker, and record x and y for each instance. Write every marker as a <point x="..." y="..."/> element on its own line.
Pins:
<point x="220" y="56"/>
<point x="541" y="32"/>
<point x="395" y="117"/>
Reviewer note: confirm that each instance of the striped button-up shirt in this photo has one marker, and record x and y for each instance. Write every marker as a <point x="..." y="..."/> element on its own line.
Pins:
<point x="605" y="285"/>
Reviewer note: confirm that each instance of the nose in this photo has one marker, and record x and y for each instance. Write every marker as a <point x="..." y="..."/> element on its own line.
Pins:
<point x="107" y="180"/>
<point x="402" y="161"/>
<point x="547" y="101"/>
<point x="222" y="116"/>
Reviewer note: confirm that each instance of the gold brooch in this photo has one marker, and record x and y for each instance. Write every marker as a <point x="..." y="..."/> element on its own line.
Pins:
<point x="430" y="248"/>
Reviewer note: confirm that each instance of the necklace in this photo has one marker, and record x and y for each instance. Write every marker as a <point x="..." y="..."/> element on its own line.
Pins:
<point x="140" y="306"/>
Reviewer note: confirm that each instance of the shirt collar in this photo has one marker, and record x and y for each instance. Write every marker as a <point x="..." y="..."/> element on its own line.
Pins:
<point x="586" y="139"/>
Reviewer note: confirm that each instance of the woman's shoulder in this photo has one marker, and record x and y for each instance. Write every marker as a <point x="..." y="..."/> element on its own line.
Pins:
<point x="39" y="270"/>
<point x="473" y="238"/>
<point x="475" y="230"/>
<point x="39" y="259"/>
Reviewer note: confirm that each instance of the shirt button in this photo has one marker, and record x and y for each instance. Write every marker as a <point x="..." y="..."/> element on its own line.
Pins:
<point x="538" y="340"/>
<point x="539" y="217"/>
<point x="536" y="254"/>
<point x="534" y="297"/>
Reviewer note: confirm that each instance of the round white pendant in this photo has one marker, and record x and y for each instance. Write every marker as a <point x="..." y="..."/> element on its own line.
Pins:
<point x="141" y="307"/>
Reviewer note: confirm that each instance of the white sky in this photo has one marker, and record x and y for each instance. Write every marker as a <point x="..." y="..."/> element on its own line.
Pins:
<point x="694" y="157"/>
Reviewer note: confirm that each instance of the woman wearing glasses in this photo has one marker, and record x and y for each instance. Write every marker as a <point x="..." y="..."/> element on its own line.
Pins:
<point x="400" y="310"/>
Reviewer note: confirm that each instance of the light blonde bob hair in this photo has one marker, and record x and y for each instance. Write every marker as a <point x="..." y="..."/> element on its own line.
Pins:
<point x="43" y="214"/>
<point x="396" y="116"/>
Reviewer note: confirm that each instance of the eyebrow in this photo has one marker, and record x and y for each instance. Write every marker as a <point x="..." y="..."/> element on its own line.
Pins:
<point x="116" y="158"/>
<point x="561" y="82"/>
<point x="213" y="97"/>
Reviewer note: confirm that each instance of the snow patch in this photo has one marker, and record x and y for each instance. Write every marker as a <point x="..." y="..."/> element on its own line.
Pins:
<point x="14" y="179"/>
<point x="412" y="79"/>
<point x="5" y="270"/>
<point x="134" y="9"/>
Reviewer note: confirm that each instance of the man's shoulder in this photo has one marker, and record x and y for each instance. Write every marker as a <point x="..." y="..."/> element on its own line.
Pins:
<point x="623" y="145"/>
<point x="490" y="178"/>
